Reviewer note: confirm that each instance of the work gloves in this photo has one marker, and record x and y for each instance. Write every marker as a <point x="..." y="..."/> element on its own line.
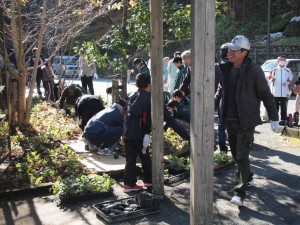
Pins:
<point x="62" y="111"/>
<point x="274" y="125"/>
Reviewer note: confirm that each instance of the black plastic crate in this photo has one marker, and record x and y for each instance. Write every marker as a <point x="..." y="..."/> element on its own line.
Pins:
<point x="174" y="180"/>
<point x="123" y="217"/>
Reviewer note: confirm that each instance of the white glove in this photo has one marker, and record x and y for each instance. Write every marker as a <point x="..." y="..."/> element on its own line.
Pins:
<point x="146" y="142"/>
<point x="79" y="120"/>
<point x="62" y="111"/>
<point x="274" y="125"/>
<point x="95" y="75"/>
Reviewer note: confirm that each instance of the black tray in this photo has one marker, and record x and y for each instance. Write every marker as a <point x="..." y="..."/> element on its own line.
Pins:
<point x="84" y="197"/>
<point x="118" y="218"/>
<point x="174" y="180"/>
<point x="224" y="167"/>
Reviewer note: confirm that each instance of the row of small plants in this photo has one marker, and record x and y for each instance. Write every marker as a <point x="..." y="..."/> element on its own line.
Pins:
<point x="75" y="186"/>
<point x="175" y="164"/>
<point x="40" y="157"/>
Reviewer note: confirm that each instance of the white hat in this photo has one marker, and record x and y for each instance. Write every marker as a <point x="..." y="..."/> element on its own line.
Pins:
<point x="238" y="42"/>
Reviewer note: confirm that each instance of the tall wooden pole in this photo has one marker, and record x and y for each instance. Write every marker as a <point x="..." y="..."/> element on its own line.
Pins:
<point x="202" y="111"/>
<point x="157" y="96"/>
<point x="269" y="29"/>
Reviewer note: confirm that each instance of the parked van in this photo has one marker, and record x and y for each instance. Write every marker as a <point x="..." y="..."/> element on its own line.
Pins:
<point x="66" y="65"/>
<point x="292" y="64"/>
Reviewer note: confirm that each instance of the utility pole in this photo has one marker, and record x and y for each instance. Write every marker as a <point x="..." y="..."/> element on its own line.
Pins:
<point x="269" y="29"/>
<point x="202" y="112"/>
<point x="156" y="38"/>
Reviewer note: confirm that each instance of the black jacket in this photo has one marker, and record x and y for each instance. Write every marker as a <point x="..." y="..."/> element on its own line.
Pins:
<point x="138" y="121"/>
<point x="68" y="97"/>
<point x="252" y="88"/>
<point x="186" y="83"/>
<point x="88" y="102"/>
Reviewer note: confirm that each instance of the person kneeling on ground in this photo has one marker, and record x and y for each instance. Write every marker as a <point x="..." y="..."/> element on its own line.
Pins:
<point x="179" y="106"/>
<point x="105" y="128"/>
<point x="68" y="98"/>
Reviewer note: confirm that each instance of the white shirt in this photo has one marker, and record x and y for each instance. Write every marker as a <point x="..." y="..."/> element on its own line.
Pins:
<point x="87" y="67"/>
<point x="282" y="78"/>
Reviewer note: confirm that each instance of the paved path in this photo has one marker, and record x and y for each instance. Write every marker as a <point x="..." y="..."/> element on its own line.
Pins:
<point x="275" y="200"/>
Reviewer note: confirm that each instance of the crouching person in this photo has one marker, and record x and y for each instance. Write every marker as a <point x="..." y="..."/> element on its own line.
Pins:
<point x="105" y="128"/>
<point x="86" y="107"/>
<point x="68" y="99"/>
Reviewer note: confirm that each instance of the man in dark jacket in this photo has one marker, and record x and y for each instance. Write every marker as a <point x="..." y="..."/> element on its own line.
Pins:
<point x="86" y="107"/>
<point x="181" y="72"/>
<point x="221" y="125"/>
<point x="105" y="128"/>
<point x="186" y="83"/>
<point x="243" y="86"/>
<point x="137" y="133"/>
<point x="68" y="98"/>
<point x="39" y="75"/>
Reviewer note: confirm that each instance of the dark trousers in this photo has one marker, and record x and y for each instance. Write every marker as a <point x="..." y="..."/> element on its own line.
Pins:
<point x="49" y="93"/>
<point x="282" y="101"/>
<point x="106" y="138"/>
<point x="132" y="149"/>
<point x="240" y="142"/>
<point x="221" y="135"/>
<point x="87" y="82"/>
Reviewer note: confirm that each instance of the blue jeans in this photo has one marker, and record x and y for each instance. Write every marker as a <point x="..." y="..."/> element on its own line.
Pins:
<point x="106" y="138"/>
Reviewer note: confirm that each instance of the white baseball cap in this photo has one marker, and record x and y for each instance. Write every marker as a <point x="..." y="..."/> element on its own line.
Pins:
<point x="238" y="42"/>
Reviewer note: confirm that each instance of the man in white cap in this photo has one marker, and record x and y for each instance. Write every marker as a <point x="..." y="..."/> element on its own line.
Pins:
<point x="243" y="86"/>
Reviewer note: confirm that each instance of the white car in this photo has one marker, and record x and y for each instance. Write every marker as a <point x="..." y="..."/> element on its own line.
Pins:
<point x="66" y="66"/>
<point x="292" y="64"/>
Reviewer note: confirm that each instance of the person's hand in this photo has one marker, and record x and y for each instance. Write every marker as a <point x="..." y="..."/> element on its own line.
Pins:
<point x="62" y="111"/>
<point x="274" y="125"/>
<point x="79" y="120"/>
<point x="146" y="142"/>
<point x="95" y="75"/>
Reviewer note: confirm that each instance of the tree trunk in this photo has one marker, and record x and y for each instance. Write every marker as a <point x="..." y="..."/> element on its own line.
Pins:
<point x="125" y="35"/>
<point x="40" y="43"/>
<point x="21" y="102"/>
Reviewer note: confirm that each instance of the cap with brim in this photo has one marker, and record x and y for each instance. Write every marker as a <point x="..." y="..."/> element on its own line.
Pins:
<point x="232" y="47"/>
<point x="239" y="42"/>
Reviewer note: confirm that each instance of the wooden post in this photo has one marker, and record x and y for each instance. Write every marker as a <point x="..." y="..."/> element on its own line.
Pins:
<point x="202" y="111"/>
<point x="157" y="97"/>
<point x="115" y="91"/>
